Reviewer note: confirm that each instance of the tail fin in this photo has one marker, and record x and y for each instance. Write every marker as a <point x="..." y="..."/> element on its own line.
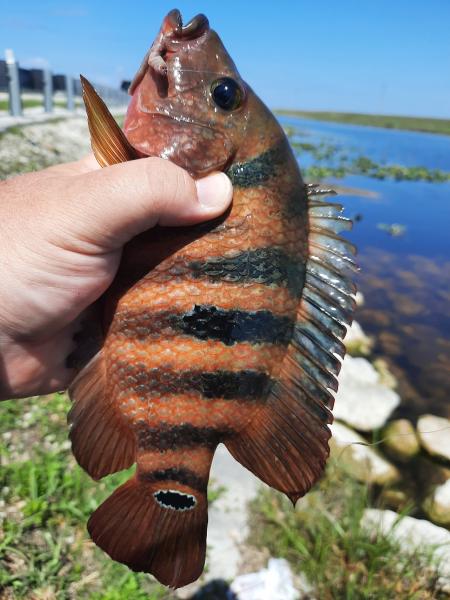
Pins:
<point x="155" y="527"/>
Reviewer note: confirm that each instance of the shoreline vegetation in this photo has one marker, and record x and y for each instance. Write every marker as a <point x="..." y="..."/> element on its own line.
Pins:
<point x="422" y="124"/>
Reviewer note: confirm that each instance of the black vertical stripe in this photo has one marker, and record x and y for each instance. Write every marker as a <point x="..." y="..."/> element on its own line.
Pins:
<point x="260" y="169"/>
<point x="179" y="474"/>
<point x="170" y="437"/>
<point x="268" y="266"/>
<point x="227" y="385"/>
<point x="232" y="326"/>
<point x="207" y="322"/>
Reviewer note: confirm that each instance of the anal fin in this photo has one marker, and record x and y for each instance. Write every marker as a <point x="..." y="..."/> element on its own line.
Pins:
<point x="102" y="443"/>
<point x="286" y="443"/>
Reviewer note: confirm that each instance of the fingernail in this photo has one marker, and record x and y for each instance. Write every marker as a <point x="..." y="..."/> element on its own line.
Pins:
<point x="214" y="191"/>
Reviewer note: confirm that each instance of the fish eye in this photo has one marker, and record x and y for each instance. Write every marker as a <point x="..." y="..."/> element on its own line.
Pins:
<point x="226" y="93"/>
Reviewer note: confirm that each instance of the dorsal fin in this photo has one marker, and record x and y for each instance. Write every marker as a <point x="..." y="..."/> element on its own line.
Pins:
<point x="286" y="444"/>
<point x="109" y="144"/>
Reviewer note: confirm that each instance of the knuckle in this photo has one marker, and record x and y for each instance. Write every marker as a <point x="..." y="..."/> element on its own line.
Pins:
<point x="169" y="183"/>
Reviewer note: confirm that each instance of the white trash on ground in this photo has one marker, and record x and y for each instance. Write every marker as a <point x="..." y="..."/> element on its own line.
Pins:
<point x="273" y="583"/>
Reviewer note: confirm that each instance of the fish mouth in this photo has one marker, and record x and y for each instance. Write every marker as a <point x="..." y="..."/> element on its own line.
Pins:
<point x="196" y="27"/>
<point x="171" y="34"/>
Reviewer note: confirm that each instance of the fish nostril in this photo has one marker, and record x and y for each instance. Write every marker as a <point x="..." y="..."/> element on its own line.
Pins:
<point x="161" y="82"/>
<point x="174" y="19"/>
<point x="174" y="500"/>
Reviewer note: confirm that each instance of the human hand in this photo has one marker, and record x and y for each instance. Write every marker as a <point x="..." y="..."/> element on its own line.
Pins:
<point x="62" y="233"/>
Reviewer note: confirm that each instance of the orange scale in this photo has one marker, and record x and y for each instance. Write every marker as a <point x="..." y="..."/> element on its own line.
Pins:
<point x="182" y="353"/>
<point x="226" y="295"/>
<point x="194" y="460"/>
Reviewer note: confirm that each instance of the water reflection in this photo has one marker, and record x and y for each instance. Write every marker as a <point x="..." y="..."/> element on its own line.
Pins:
<point x="405" y="279"/>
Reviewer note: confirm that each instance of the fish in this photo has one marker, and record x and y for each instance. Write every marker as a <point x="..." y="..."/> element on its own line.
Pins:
<point x="225" y="332"/>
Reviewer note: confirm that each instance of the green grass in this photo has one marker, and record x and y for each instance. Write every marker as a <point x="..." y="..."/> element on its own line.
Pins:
<point x="428" y="125"/>
<point x="324" y="540"/>
<point x="46" y="500"/>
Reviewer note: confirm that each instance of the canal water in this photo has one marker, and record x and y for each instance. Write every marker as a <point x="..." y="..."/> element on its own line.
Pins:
<point x="405" y="278"/>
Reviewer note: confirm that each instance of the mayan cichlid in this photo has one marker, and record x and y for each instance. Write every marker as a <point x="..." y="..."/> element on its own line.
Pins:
<point x="229" y="331"/>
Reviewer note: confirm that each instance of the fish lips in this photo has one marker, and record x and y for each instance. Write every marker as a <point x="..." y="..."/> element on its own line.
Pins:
<point x="191" y="145"/>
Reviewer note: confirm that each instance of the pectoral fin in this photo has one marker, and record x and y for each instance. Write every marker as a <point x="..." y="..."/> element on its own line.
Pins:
<point x="109" y="144"/>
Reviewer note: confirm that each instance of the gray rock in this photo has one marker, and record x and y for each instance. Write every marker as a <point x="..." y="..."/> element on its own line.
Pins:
<point x="227" y="520"/>
<point x="357" y="342"/>
<point x="228" y="527"/>
<point x="437" y="505"/>
<point x="434" y="435"/>
<point x="400" y="439"/>
<point x="386" y="377"/>
<point x="362" y="401"/>
<point x="358" y="459"/>
<point x="412" y="535"/>
<point x="396" y="498"/>
<point x="359" y="298"/>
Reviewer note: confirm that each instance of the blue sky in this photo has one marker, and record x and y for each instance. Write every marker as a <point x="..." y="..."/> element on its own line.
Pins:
<point x="380" y="56"/>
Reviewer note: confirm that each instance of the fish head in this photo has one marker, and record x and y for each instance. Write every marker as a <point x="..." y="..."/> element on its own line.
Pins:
<point x="189" y="103"/>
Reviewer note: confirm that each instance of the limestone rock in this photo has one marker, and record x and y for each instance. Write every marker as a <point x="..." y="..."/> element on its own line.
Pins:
<point x="400" y="439"/>
<point x="386" y="376"/>
<point x="434" y="435"/>
<point x="357" y="342"/>
<point x="358" y="459"/>
<point x="228" y="527"/>
<point x="395" y="498"/>
<point x="437" y="505"/>
<point x="413" y="534"/>
<point x="359" y="298"/>
<point x="362" y="401"/>
<point x="228" y="520"/>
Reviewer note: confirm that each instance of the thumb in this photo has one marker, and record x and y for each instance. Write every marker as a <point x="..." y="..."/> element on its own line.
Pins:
<point x="107" y="207"/>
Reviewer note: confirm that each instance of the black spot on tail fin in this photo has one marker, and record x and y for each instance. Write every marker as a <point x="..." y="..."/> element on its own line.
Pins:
<point x="157" y="528"/>
<point x="286" y="444"/>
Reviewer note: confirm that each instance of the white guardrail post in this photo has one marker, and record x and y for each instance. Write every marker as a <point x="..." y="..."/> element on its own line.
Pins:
<point x="69" y="93"/>
<point x="18" y="79"/>
<point x="15" y="103"/>
<point x="48" y="91"/>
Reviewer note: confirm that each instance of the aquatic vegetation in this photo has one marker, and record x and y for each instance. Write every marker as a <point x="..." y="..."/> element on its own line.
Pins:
<point x="365" y="166"/>
<point x="393" y="229"/>
<point x="361" y="165"/>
